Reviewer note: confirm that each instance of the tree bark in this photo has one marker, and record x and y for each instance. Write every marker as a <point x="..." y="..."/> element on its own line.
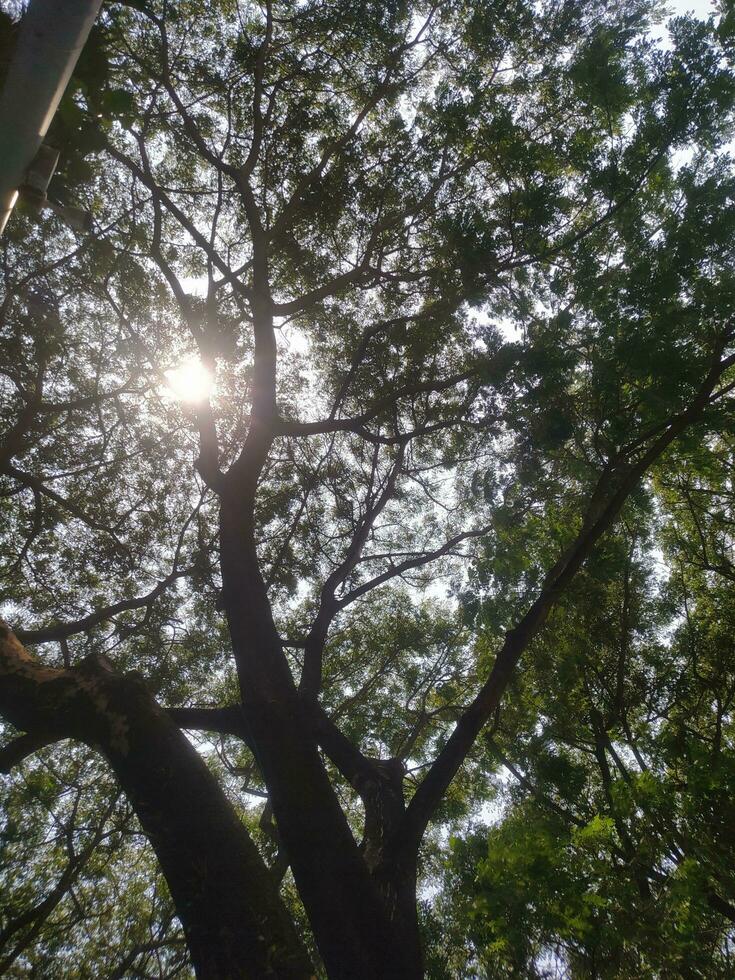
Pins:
<point x="380" y="785"/>
<point x="235" y="923"/>
<point x="353" y="930"/>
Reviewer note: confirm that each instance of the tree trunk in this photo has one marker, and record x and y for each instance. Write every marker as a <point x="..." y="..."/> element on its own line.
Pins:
<point x="380" y="786"/>
<point x="352" y="928"/>
<point x="235" y="923"/>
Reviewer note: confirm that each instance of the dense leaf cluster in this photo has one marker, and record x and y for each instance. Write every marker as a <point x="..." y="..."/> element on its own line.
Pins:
<point x="463" y="276"/>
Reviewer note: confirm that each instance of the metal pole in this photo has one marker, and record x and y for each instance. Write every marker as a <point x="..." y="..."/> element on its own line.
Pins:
<point x="52" y="35"/>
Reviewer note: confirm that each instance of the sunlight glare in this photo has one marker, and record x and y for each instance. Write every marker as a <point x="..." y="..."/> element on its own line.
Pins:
<point x="190" y="381"/>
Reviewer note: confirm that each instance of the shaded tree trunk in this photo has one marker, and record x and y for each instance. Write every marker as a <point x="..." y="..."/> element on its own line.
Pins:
<point x="235" y="923"/>
<point x="392" y="869"/>
<point x="355" y="934"/>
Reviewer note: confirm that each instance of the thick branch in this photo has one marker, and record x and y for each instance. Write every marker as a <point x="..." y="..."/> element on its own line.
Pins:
<point x="234" y="921"/>
<point x="20" y="748"/>
<point x="225" y="721"/>
<point x="614" y="488"/>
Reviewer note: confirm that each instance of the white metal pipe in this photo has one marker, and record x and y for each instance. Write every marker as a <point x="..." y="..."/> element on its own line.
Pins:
<point x="52" y="35"/>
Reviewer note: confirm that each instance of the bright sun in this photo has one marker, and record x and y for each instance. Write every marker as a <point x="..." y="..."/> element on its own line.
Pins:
<point x="190" y="381"/>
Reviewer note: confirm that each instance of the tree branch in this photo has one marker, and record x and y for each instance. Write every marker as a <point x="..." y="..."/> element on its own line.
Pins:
<point x="223" y="892"/>
<point x="225" y="721"/>
<point x="21" y="747"/>
<point x="405" y="566"/>
<point x="63" y="630"/>
<point x="311" y="675"/>
<point x="605" y="504"/>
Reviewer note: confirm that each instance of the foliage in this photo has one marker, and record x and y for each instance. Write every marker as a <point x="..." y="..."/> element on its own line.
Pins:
<point x="463" y="274"/>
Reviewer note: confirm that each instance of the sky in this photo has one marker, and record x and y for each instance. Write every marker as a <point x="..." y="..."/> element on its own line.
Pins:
<point x="702" y="8"/>
<point x="675" y="8"/>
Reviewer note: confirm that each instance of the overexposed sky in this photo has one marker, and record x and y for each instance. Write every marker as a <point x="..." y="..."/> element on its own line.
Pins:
<point x="702" y="8"/>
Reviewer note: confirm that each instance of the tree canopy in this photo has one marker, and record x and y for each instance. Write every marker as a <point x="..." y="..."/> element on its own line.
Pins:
<point x="367" y="488"/>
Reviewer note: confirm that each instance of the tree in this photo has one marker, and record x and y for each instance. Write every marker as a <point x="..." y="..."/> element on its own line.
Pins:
<point x="469" y="312"/>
